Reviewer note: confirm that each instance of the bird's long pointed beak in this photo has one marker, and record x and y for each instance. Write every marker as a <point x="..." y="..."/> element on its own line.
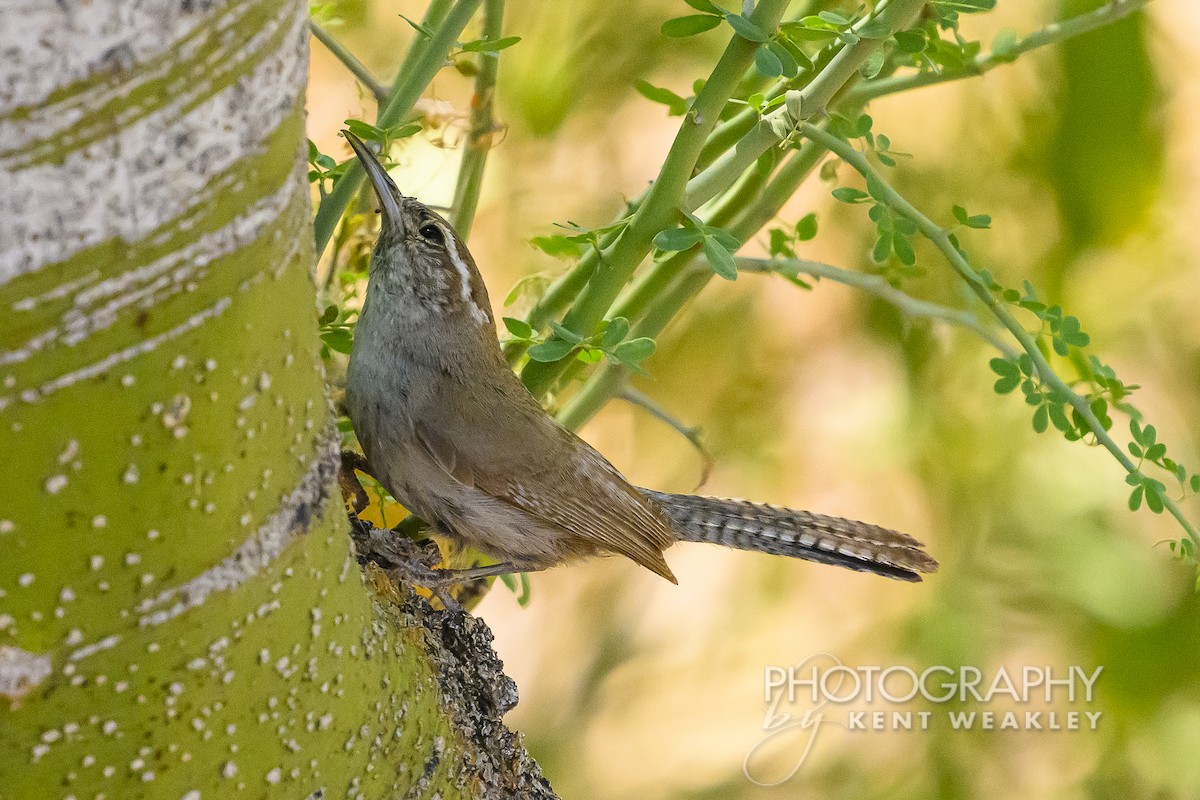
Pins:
<point x="385" y="188"/>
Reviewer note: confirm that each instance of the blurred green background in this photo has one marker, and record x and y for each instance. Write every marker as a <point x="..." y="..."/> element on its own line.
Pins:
<point x="1086" y="156"/>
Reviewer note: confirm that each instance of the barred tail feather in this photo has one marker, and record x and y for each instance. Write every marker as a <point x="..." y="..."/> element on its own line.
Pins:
<point x="799" y="534"/>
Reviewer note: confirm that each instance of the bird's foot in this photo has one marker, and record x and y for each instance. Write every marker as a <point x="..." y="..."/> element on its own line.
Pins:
<point x="351" y="487"/>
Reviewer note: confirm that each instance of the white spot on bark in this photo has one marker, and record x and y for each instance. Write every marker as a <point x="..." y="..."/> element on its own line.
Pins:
<point x="21" y="671"/>
<point x="107" y="643"/>
<point x="69" y="452"/>
<point x="254" y="555"/>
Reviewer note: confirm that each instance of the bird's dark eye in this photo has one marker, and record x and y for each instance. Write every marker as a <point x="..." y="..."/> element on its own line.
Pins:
<point x="432" y="233"/>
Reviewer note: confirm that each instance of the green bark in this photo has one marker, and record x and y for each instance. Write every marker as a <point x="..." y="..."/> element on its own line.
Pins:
<point x="181" y="611"/>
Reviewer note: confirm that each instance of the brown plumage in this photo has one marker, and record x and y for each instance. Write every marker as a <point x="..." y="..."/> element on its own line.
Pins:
<point x="453" y="434"/>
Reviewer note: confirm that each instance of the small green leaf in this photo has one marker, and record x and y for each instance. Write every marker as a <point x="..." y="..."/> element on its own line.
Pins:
<point x="615" y="332"/>
<point x="365" y="130"/>
<point x="848" y="194"/>
<point x="1059" y="417"/>
<point x="635" y="351"/>
<point x="723" y="237"/>
<point x="707" y="6"/>
<point x="552" y="350"/>
<point x="1135" y="497"/>
<point x="1041" y="419"/>
<point x="746" y="29"/>
<point x="883" y="247"/>
<point x="720" y="259"/>
<point x="1004" y="368"/>
<point x="1007" y="384"/>
<point x="967" y="6"/>
<point x="874" y="63"/>
<point x="806" y="228"/>
<point x="780" y="244"/>
<point x="589" y="355"/>
<point x="1153" y="498"/>
<point x="875" y="29"/>
<point x="903" y="249"/>
<point x="566" y="334"/>
<point x="767" y="62"/>
<point x="910" y="41"/>
<point x="418" y="27"/>
<point x="403" y="131"/>
<point x="490" y="45"/>
<point x="692" y="24"/>
<point x="557" y="246"/>
<point x="329" y="315"/>
<point x="676" y="105"/>
<point x="834" y="18"/>
<point x="518" y="327"/>
<point x="677" y="239"/>
<point x="338" y="339"/>
<point x="789" y="63"/>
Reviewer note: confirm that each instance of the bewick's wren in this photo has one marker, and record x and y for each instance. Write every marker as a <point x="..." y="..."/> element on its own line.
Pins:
<point x="453" y="434"/>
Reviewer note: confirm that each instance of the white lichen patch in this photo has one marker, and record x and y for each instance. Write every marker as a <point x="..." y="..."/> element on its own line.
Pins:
<point x="166" y="180"/>
<point x="21" y="671"/>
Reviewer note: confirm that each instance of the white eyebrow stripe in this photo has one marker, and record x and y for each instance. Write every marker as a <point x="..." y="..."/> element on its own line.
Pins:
<point x="464" y="274"/>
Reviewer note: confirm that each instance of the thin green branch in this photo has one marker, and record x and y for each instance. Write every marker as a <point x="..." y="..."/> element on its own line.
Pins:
<point x="405" y="92"/>
<point x="662" y="204"/>
<point x="689" y="432"/>
<point x="348" y="59"/>
<point x="884" y="193"/>
<point x="876" y="285"/>
<point x="809" y="102"/>
<point x="689" y="282"/>
<point x="482" y="126"/>
<point x="1051" y="34"/>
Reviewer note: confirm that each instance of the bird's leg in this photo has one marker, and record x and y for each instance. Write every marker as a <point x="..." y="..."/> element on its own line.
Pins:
<point x="438" y="581"/>
<point x="348" y="481"/>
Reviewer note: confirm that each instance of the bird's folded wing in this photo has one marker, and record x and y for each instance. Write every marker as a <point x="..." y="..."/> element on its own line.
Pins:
<point x="582" y="495"/>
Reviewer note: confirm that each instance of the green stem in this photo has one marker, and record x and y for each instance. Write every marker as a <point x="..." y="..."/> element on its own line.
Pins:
<point x="648" y="286"/>
<point x="688" y="283"/>
<point x="876" y="285"/>
<point x="1051" y="34"/>
<point x="812" y="101"/>
<point x="356" y="67"/>
<point x="482" y="126"/>
<point x="940" y="237"/>
<point x="435" y="16"/>
<point x="643" y="291"/>
<point x="689" y="432"/>
<point x="661" y="207"/>
<point x="404" y="95"/>
<point x="560" y="293"/>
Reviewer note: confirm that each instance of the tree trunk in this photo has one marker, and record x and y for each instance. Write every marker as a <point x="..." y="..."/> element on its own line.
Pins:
<point x="181" y="612"/>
